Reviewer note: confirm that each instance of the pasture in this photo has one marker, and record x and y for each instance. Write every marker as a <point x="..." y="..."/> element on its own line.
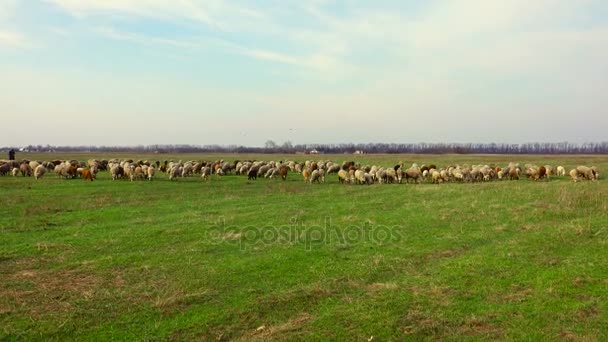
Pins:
<point x="232" y="259"/>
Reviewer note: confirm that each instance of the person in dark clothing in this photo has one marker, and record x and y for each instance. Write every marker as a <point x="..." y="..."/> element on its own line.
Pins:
<point x="11" y="154"/>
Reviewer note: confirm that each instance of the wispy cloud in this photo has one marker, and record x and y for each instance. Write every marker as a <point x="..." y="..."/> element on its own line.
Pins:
<point x="13" y="39"/>
<point x="214" y="13"/>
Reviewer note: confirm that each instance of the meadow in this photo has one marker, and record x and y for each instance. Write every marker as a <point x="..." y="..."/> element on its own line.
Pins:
<point x="233" y="259"/>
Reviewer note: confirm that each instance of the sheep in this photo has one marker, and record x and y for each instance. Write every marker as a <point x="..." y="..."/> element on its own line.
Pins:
<point x="283" y="171"/>
<point x="138" y="173"/>
<point x="436" y="177"/>
<point x="25" y="169"/>
<point x="306" y="175"/>
<point x="263" y="170"/>
<point x="174" y="172"/>
<point x="381" y="175"/>
<point x="360" y="177"/>
<point x="39" y="171"/>
<point x="117" y="172"/>
<point x="315" y="176"/>
<point x="368" y="179"/>
<point x="399" y="173"/>
<point x="542" y="172"/>
<point x="206" y="173"/>
<point x="561" y="171"/>
<point x="348" y="165"/>
<point x="4" y="169"/>
<point x="574" y="175"/>
<point x="596" y="172"/>
<point x="34" y="164"/>
<point x="514" y="173"/>
<point x="322" y="175"/>
<point x="343" y="177"/>
<point x="187" y="169"/>
<point x="413" y="173"/>
<point x="334" y="168"/>
<point x="458" y="175"/>
<point x="150" y="172"/>
<point x="15" y="172"/>
<point x="253" y="173"/>
<point x="586" y="172"/>
<point x="391" y="175"/>
<point x="87" y="175"/>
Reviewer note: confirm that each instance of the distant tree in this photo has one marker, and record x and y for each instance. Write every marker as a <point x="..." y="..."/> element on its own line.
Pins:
<point x="270" y="144"/>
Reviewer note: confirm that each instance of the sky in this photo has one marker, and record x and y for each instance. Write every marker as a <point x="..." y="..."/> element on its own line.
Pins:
<point x="143" y="72"/>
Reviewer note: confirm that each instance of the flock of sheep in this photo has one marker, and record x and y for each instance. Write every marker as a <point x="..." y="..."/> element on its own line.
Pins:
<point x="310" y="171"/>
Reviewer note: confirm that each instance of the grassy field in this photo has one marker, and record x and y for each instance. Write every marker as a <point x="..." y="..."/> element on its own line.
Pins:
<point x="237" y="260"/>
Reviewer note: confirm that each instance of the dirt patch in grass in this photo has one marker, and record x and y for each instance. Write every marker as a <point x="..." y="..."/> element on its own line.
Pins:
<point x="382" y="286"/>
<point x="516" y="294"/>
<point x="479" y="327"/>
<point x="44" y="292"/>
<point x="416" y="321"/>
<point x="265" y="332"/>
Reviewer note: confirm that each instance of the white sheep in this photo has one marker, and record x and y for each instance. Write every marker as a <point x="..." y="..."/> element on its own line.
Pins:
<point x="39" y="171"/>
<point x="150" y="171"/>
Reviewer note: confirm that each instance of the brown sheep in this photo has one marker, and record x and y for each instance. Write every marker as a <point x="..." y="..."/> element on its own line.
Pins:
<point x="348" y="165"/>
<point x="283" y="172"/>
<point x="542" y="172"/>
<point x="87" y="175"/>
<point x="306" y="175"/>
<point x="25" y="169"/>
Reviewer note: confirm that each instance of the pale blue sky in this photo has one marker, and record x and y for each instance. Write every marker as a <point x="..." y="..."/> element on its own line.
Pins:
<point x="125" y="72"/>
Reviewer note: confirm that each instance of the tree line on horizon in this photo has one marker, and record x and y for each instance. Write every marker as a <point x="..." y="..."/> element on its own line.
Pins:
<point x="348" y="148"/>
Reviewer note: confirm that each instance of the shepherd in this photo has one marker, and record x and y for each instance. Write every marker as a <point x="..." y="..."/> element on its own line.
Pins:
<point x="11" y="154"/>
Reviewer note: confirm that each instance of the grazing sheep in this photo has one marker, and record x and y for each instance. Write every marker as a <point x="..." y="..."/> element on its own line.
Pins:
<point x="514" y="173"/>
<point x="436" y="177"/>
<point x="25" y="169"/>
<point x="306" y="175"/>
<point x="334" y="168"/>
<point x="348" y="165"/>
<point x="360" y="176"/>
<point x="315" y="176"/>
<point x="15" y="172"/>
<point x="391" y="175"/>
<point x="283" y="171"/>
<point x="343" y="177"/>
<point x="87" y="175"/>
<point x="34" y="164"/>
<point x="138" y="173"/>
<point x="574" y="175"/>
<point x="413" y="173"/>
<point x="252" y="173"/>
<point x="4" y="169"/>
<point x="542" y="173"/>
<point x="586" y="172"/>
<point x="150" y="172"/>
<point x="596" y="172"/>
<point x="561" y="171"/>
<point x="117" y="172"/>
<point x="174" y="172"/>
<point x="206" y="173"/>
<point x="39" y="171"/>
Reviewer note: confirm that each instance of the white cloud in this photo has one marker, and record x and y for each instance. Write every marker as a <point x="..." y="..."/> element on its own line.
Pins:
<point x="214" y="13"/>
<point x="13" y="39"/>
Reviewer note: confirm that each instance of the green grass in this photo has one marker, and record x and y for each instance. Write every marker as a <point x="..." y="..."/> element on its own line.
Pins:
<point x="185" y="260"/>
